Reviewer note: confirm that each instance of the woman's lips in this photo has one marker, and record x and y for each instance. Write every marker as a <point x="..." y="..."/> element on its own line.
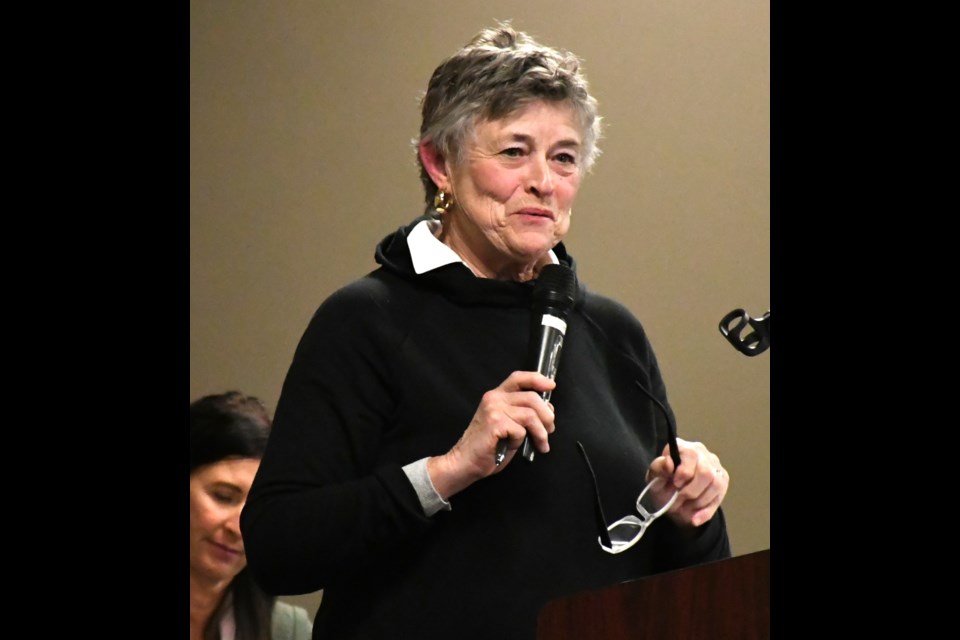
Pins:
<point x="536" y="213"/>
<point x="226" y="551"/>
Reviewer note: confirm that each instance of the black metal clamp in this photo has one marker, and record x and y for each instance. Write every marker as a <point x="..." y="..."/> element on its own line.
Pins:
<point x="753" y="343"/>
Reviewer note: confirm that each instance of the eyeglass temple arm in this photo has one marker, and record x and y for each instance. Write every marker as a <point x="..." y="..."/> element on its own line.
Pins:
<point x="671" y="428"/>
<point x="601" y="519"/>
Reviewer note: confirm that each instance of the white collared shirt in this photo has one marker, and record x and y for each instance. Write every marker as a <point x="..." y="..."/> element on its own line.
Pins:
<point x="428" y="253"/>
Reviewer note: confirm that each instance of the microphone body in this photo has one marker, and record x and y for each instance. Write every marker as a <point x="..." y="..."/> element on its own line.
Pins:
<point x="547" y="343"/>
<point x="554" y="294"/>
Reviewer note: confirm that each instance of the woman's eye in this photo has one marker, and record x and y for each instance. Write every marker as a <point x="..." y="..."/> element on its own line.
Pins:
<point x="513" y="152"/>
<point x="566" y="158"/>
<point x="224" y="498"/>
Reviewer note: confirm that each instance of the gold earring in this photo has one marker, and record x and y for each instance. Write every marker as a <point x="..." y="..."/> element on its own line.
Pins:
<point x="442" y="202"/>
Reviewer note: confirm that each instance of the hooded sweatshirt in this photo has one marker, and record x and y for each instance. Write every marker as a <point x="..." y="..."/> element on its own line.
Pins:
<point x="390" y="370"/>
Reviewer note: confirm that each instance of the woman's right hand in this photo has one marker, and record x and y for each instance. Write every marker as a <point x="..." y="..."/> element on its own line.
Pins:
<point x="512" y="411"/>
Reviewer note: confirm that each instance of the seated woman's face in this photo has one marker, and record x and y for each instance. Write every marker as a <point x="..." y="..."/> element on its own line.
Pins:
<point x="218" y="492"/>
<point x="518" y="181"/>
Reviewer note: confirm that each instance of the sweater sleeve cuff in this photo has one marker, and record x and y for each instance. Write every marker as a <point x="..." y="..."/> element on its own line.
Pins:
<point x="711" y="542"/>
<point x="430" y="500"/>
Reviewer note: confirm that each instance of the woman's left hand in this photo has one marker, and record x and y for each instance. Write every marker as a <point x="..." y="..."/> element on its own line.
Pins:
<point x="701" y="479"/>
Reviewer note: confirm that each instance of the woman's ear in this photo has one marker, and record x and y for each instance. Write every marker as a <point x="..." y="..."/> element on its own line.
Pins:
<point x="435" y="164"/>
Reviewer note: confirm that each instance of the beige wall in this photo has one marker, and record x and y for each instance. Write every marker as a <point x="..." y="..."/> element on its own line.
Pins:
<point x="301" y="117"/>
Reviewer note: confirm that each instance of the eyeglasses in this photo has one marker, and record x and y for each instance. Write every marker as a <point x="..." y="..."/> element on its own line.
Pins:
<point x="627" y="531"/>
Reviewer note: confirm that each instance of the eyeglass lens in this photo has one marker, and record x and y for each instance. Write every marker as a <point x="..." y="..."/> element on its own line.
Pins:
<point x="627" y="531"/>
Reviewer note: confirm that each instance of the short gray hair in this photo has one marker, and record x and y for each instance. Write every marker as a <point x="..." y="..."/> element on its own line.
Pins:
<point x="495" y="74"/>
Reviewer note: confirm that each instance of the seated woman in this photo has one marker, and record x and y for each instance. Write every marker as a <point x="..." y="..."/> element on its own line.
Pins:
<point x="228" y="434"/>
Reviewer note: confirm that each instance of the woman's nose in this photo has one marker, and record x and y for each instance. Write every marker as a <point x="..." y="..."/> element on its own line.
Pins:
<point x="540" y="178"/>
<point x="232" y="522"/>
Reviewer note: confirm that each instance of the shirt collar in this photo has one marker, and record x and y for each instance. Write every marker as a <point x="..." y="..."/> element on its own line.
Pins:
<point x="428" y="253"/>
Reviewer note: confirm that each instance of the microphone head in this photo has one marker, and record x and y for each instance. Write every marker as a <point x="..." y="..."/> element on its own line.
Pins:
<point x="555" y="288"/>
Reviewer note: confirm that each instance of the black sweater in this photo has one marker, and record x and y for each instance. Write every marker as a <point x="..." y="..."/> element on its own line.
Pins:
<point x="391" y="369"/>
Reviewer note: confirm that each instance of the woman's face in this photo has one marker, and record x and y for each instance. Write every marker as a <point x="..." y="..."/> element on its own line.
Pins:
<point x="218" y="492"/>
<point x="515" y="187"/>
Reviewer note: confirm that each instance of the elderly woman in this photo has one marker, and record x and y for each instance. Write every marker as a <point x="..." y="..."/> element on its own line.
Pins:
<point x="381" y="484"/>
<point x="228" y="433"/>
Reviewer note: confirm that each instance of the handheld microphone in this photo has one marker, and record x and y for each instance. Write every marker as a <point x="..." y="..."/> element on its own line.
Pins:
<point x="554" y="294"/>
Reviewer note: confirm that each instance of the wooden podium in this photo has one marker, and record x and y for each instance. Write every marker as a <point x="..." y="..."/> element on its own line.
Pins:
<point x="723" y="600"/>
